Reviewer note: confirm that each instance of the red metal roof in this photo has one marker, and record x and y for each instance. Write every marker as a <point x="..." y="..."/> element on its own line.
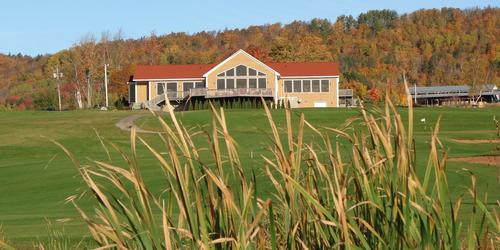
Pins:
<point x="179" y="71"/>
<point x="306" y="68"/>
<point x="171" y="71"/>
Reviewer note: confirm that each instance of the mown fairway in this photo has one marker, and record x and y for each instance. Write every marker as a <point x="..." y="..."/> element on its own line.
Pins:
<point x="36" y="177"/>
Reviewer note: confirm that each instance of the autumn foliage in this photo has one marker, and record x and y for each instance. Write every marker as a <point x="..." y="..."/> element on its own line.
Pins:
<point x="433" y="47"/>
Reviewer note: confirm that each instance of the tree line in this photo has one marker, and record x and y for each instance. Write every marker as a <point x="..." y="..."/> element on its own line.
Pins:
<point x="445" y="46"/>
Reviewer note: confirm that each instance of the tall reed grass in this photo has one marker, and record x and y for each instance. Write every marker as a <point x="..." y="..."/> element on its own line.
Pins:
<point x="3" y="241"/>
<point x="370" y="198"/>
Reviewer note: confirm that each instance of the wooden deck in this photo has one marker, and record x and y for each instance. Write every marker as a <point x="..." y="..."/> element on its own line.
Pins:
<point x="212" y="93"/>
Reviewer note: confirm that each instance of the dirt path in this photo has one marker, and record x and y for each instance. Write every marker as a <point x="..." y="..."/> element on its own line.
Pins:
<point x="128" y="122"/>
<point x="493" y="160"/>
<point x="476" y="141"/>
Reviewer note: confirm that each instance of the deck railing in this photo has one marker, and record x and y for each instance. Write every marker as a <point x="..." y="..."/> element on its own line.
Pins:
<point x="247" y="92"/>
<point x="177" y="95"/>
<point x="214" y="93"/>
<point x="198" y="92"/>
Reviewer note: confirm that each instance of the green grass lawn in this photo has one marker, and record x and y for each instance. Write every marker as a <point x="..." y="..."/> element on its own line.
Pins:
<point x="36" y="177"/>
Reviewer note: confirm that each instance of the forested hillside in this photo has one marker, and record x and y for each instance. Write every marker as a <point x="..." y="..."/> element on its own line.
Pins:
<point x="432" y="47"/>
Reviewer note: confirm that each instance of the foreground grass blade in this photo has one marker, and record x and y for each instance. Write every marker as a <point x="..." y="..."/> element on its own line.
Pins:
<point x="353" y="187"/>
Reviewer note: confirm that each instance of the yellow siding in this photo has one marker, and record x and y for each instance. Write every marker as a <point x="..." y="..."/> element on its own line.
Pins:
<point x="142" y="92"/>
<point x="235" y="61"/>
<point x="153" y="90"/>
<point x="308" y="99"/>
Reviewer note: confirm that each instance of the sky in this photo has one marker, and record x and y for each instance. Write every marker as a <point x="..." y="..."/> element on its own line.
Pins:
<point x="34" y="27"/>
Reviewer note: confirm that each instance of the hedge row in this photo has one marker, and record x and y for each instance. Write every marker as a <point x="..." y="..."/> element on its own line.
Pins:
<point x="230" y="103"/>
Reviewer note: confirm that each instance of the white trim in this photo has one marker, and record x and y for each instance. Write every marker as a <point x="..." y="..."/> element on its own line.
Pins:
<point x="225" y="76"/>
<point x="169" y="79"/>
<point x="338" y="83"/>
<point x="234" y="55"/>
<point x="160" y="84"/>
<point x="246" y="77"/>
<point x="149" y="91"/>
<point x="294" y="77"/>
<point x="320" y="104"/>
<point x="320" y="80"/>
<point x="135" y="92"/>
<point x="193" y="86"/>
<point x="165" y="86"/>
<point x="276" y="91"/>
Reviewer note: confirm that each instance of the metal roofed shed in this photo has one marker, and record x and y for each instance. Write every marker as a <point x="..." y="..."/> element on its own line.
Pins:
<point x="454" y="95"/>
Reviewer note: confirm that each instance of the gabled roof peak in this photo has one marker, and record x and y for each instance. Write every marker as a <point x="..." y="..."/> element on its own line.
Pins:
<point x="240" y="51"/>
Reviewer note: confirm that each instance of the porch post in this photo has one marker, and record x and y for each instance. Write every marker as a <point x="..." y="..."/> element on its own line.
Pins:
<point x="275" y="91"/>
<point x="149" y="91"/>
<point x="135" y="92"/>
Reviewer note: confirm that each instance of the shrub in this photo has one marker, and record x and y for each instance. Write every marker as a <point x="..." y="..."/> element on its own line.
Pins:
<point x="13" y="100"/>
<point x="18" y="102"/>
<point x="321" y="199"/>
<point x="45" y="100"/>
<point x="121" y="103"/>
<point x="28" y="102"/>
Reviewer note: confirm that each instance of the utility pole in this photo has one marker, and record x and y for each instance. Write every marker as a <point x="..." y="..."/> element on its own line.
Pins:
<point x="106" y="83"/>
<point x="415" y="92"/>
<point x="89" y="91"/>
<point x="58" y="75"/>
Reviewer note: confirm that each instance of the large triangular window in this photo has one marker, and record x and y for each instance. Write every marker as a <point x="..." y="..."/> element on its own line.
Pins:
<point x="241" y="77"/>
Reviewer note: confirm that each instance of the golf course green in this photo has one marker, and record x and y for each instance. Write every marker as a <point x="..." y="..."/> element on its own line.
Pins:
<point x="36" y="177"/>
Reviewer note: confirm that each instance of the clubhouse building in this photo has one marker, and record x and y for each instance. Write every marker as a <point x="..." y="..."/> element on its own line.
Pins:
<point x="301" y="84"/>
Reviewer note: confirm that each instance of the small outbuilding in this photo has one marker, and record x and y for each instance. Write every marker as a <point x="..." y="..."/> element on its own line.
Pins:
<point x="455" y="95"/>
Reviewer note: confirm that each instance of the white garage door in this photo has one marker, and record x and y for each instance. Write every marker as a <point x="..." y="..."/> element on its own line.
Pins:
<point x="320" y="104"/>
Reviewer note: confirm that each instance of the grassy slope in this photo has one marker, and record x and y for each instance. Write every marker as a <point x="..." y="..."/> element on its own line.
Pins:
<point x="36" y="177"/>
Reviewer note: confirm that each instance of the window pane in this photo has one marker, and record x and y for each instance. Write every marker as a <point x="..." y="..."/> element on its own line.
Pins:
<point x="241" y="70"/>
<point x="222" y="74"/>
<point x="241" y="83"/>
<point x="252" y="83"/>
<point x="315" y="85"/>
<point x="325" y="86"/>
<point x="261" y="74"/>
<point x="252" y="72"/>
<point x="221" y="84"/>
<point x="171" y="87"/>
<point x="186" y="86"/>
<point x="262" y="83"/>
<point x="306" y="85"/>
<point x="288" y="86"/>
<point x="229" y="83"/>
<point x="199" y="85"/>
<point x="230" y="72"/>
<point x="297" y="86"/>
<point x="160" y="88"/>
